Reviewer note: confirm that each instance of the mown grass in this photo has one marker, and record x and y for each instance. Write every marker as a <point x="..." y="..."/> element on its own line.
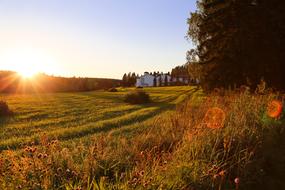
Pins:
<point x="72" y="115"/>
<point x="155" y="146"/>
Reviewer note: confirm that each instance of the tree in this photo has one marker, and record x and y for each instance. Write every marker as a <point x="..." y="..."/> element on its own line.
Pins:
<point x="124" y="80"/>
<point x="133" y="79"/>
<point x="160" y="81"/>
<point x="166" y="81"/>
<point x="239" y="41"/>
<point x="195" y="71"/>
<point x="129" y="79"/>
<point x="154" y="81"/>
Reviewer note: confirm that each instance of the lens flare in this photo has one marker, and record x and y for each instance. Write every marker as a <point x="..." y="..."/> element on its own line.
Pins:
<point x="274" y="108"/>
<point x="214" y="118"/>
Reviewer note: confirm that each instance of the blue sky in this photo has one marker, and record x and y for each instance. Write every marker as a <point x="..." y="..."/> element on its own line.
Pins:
<point x="94" y="38"/>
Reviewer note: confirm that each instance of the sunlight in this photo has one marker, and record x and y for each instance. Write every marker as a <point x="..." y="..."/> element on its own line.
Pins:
<point x="27" y="73"/>
<point x="27" y="62"/>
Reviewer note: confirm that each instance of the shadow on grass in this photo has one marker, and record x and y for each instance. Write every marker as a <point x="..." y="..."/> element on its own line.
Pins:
<point x="105" y="126"/>
<point x="161" y="107"/>
<point x="4" y="120"/>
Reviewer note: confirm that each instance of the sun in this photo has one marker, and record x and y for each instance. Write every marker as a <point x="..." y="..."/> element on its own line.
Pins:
<point x="27" y="74"/>
<point x="28" y="62"/>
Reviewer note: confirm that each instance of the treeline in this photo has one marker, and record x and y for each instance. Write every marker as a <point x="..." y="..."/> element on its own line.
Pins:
<point x="181" y="73"/>
<point x="238" y="42"/>
<point x="11" y="82"/>
<point x="129" y="79"/>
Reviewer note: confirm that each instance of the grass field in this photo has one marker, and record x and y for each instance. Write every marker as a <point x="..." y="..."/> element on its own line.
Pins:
<point x="183" y="139"/>
<point x="70" y="116"/>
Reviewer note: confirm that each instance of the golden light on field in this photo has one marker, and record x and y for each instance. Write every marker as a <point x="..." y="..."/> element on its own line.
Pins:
<point x="215" y="118"/>
<point x="27" y="62"/>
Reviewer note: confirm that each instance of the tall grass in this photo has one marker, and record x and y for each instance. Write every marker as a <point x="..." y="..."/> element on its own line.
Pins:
<point x="176" y="150"/>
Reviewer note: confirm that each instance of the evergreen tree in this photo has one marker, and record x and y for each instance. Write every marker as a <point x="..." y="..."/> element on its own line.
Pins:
<point x="239" y="42"/>
<point x="165" y="80"/>
<point x="160" y="81"/>
<point x="124" y="80"/>
<point x="154" y="81"/>
<point x="129" y="79"/>
<point x="133" y="79"/>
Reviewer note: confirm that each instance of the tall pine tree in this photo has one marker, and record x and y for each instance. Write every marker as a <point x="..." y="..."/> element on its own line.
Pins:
<point x="239" y="42"/>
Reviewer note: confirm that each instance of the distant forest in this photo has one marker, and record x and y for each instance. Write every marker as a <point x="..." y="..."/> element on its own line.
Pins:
<point x="11" y="82"/>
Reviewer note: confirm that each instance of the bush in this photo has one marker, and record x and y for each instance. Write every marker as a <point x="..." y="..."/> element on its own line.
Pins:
<point x="4" y="109"/>
<point x="112" y="90"/>
<point x="137" y="97"/>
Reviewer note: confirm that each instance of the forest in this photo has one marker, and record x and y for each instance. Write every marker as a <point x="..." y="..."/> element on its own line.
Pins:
<point x="11" y="82"/>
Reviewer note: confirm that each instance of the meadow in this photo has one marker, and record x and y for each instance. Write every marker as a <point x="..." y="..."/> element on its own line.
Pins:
<point x="183" y="139"/>
<point x="70" y="116"/>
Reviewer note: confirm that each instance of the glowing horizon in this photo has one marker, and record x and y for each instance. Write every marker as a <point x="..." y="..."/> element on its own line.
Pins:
<point x="93" y="38"/>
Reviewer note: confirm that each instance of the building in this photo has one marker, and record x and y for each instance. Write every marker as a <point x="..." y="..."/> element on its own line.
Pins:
<point x="145" y="80"/>
<point x="148" y="79"/>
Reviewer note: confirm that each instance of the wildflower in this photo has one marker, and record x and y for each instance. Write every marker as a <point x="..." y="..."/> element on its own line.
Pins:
<point x="215" y="118"/>
<point x="237" y="180"/>
<point x="59" y="170"/>
<point x="40" y="155"/>
<point x="32" y="150"/>
<point x="141" y="173"/>
<point x="27" y="149"/>
<point x="74" y="173"/>
<point x="222" y="173"/>
<point x="274" y="109"/>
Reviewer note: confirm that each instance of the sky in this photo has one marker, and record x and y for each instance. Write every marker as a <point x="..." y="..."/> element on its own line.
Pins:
<point x="93" y="38"/>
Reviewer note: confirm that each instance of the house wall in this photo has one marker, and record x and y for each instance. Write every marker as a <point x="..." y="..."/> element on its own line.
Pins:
<point x="145" y="80"/>
<point x="148" y="80"/>
<point x="138" y="83"/>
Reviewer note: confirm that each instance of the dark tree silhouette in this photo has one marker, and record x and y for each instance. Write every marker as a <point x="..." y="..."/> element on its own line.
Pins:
<point x="160" y="81"/>
<point x="239" y="42"/>
<point x="154" y="82"/>
<point x="125" y="80"/>
<point x="165" y="80"/>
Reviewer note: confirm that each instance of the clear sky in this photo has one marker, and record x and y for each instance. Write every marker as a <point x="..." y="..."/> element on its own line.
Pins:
<point x="93" y="38"/>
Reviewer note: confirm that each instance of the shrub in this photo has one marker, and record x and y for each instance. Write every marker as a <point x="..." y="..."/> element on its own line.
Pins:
<point x="112" y="90"/>
<point x="4" y="109"/>
<point x="137" y="97"/>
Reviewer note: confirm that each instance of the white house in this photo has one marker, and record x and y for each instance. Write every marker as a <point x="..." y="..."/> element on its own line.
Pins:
<point x="150" y="80"/>
<point x="145" y="80"/>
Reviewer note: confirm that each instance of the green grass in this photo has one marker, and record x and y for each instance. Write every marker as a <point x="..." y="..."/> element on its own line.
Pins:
<point x="66" y="116"/>
<point x="104" y="143"/>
